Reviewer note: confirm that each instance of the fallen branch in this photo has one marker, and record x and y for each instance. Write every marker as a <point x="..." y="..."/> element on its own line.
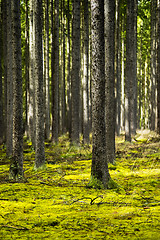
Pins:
<point x="13" y="227"/>
<point x="92" y="199"/>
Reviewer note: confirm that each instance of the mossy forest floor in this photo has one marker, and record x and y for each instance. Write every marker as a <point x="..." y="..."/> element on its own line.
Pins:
<point x="56" y="204"/>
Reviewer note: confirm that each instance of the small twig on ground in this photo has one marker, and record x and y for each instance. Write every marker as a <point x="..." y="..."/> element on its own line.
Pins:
<point x="17" y="228"/>
<point x="92" y="199"/>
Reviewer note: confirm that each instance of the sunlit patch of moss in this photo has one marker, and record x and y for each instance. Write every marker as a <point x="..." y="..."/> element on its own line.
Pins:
<point x="55" y="203"/>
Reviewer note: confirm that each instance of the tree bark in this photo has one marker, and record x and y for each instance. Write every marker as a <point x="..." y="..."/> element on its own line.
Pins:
<point x="47" y="89"/>
<point x="153" y="65"/>
<point x="31" y="90"/>
<point x="38" y="77"/>
<point x="1" y="91"/>
<point x="99" y="171"/>
<point x="158" y="66"/>
<point x="75" y="78"/>
<point x="55" y="74"/>
<point x="9" y="130"/>
<point x="110" y="107"/>
<point x="16" y="168"/>
<point x="86" y="128"/>
<point x="130" y="78"/>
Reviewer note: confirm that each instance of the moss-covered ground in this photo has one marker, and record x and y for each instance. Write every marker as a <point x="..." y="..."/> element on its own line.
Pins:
<point x="56" y="204"/>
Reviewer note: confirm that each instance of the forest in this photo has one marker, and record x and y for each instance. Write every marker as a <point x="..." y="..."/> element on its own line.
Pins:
<point x="80" y="119"/>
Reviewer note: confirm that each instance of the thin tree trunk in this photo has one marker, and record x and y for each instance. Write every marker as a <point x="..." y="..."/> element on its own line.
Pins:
<point x="153" y="64"/>
<point x="31" y="97"/>
<point x="158" y="66"/>
<point x="9" y="132"/>
<point x="5" y="30"/>
<point x="47" y="93"/>
<point x="16" y="168"/>
<point x="68" y="71"/>
<point x="39" y="97"/>
<point x="118" y="68"/>
<point x="75" y="78"/>
<point x="86" y="128"/>
<point x="110" y="107"/>
<point x="26" y="65"/>
<point x="55" y="75"/>
<point x="1" y="91"/>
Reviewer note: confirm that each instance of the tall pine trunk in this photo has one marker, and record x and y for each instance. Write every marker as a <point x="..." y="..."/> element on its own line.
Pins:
<point x="16" y="168"/>
<point x="99" y="171"/>
<point x="38" y="77"/>
<point x="55" y="74"/>
<point x="9" y="127"/>
<point x="75" y="78"/>
<point x="110" y="106"/>
<point x="158" y="66"/>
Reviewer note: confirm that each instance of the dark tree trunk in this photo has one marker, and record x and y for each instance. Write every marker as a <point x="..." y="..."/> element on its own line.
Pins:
<point x="75" y="78"/>
<point x="9" y="130"/>
<point x="39" y="97"/>
<point x="158" y="66"/>
<point x="55" y="74"/>
<point x="130" y="78"/>
<point x="99" y="171"/>
<point x="86" y="128"/>
<point x="153" y="64"/>
<point x="16" y="168"/>
<point x="110" y="107"/>
<point x="1" y="92"/>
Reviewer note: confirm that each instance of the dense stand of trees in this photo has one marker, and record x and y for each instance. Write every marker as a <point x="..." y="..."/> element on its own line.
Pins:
<point x="68" y="65"/>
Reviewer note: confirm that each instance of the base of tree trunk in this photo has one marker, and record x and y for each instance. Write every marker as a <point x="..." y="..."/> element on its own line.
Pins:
<point x="98" y="184"/>
<point x="39" y="168"/>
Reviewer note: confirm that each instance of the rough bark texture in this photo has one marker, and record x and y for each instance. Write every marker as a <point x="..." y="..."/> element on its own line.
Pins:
<point x="55" y="74"/>
<point x="75" y="78"/>
<point x="9" y="132"/>
<point x="99" y="170"/>
<point x="118" y="67"/>
<point x="153" y="65"/>
<point x="31" y="90"/>
<point x="16" y="168"/>
<point x="130" y="78"/>
<point x="47" y="94"/>
<point x="26" y="65"/>
<point x="86" y="75"/>
<point x="38" y="76"/>
<point x="110" y="107"/>
<point x="158" y="67"/>
<point x="4" y="29"/>
<point x="1" y="92"/>
<point x="68" y="71"/>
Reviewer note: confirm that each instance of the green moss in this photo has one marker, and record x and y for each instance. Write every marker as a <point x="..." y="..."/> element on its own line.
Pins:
<point x="54" y="203"/>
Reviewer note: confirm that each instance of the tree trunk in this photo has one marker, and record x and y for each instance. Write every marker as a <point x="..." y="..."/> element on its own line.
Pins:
<point x="47" y="92"/>
<point x="86" y="75"/>
<point x="55" y="74"/>
<point x="38" y="77"/>
<point x="130" y="78"/>
<point x="75" y="78"/>
<point x="4" y="29"/>
<point x="1" y="92"/>
<point x="158" y="66"/>
<point x="110" y="106"/>
<point x="153" y="64"/>
<point x="26" y="65"/>
<point x="99" y="171"/>
<point x="31" y="97"/>
<point x="9" y="132"/>
<point x="16" y="168"/>
<point x="118" y="67"/>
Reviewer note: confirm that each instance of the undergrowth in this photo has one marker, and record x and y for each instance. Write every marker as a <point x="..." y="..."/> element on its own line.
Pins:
<point x="55" y="203"/>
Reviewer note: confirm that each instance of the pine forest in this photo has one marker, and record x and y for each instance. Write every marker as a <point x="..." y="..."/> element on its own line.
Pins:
<point x="80" y="119"/>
